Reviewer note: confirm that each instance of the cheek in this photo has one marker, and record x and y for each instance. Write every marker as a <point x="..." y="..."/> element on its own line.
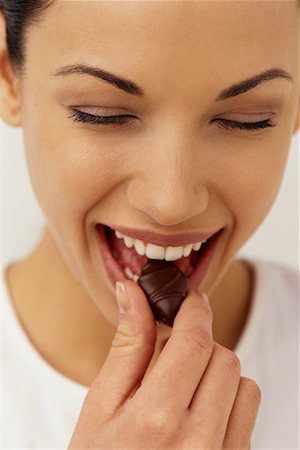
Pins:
<point x="71" y="169"/>
<point x="68" y="176"/>
<point x="251" y="186"/>
<point x="70" y="179"/>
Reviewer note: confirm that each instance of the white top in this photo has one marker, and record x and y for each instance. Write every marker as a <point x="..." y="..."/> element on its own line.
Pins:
<point x="40" y="406"/>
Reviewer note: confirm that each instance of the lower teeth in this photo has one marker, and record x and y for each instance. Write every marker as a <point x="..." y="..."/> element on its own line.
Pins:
<point x="131" y="275"/>
<point x="134" y="277"/>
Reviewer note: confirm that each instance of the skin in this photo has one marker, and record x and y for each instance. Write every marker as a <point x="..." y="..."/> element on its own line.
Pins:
<point x="209" y="177"/>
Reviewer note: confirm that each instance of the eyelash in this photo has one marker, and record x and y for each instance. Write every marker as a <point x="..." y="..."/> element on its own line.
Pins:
<point x="79" y="116"/>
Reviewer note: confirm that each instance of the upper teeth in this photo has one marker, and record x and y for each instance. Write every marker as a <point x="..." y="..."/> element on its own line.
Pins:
<point x="153" y="251"/>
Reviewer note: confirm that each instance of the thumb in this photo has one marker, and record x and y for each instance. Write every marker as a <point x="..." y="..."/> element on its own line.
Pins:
<point x="130" y="353"/>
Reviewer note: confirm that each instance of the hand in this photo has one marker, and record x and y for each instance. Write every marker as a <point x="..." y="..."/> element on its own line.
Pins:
<point x="194" y="397"/>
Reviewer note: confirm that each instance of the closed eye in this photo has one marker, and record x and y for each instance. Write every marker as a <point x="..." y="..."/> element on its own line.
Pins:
<point x="79" y="116"/>
<point x="250" y="126"/>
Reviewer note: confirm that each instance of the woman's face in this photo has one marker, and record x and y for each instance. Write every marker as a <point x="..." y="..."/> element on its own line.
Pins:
<point x="174" y="167"/>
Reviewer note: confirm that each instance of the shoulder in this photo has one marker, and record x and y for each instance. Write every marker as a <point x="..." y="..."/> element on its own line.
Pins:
<point x="274" y="312"/>
<point x="278" y="274"/>
<point x="277" y="282"/>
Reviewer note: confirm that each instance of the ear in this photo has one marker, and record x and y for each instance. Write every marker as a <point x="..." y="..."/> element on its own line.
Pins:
<point x="10" y="97"/>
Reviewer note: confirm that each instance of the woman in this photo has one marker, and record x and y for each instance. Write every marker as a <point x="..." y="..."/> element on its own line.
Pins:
<point x="202" y="100"/>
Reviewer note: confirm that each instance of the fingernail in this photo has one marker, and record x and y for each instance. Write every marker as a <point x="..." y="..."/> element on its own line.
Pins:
<point x="122" y="297"/>
<point x="203" y="295"/>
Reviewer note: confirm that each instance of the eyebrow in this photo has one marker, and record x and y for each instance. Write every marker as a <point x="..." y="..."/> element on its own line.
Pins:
<point x="132" y="88"/>
<point x="250" y="83"/>
<point x="125" y="85"/>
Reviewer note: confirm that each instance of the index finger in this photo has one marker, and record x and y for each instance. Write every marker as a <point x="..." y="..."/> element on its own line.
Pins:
<point x="183" y="360"/>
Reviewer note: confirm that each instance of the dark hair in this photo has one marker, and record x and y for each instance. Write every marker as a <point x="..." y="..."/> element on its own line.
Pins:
<point x="19" y="15"/>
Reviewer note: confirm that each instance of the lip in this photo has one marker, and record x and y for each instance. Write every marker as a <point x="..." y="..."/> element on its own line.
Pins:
<point x="172" y="239"/>
<point x="197" y="277"/>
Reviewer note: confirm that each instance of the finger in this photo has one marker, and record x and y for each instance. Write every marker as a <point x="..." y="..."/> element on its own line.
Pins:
<point x="243" y="416"/>
<point x="182" y="362"/>
<point x="129" y="355"/>
<point x="214" y="398"/>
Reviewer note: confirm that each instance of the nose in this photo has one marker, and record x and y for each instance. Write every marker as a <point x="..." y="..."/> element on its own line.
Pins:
<point x="169" y="187"/>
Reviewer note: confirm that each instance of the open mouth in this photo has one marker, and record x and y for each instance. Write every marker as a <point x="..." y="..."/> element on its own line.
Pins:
<point x="125" y="263"/>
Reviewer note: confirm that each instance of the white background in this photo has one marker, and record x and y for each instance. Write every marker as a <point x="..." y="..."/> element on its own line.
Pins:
<point x="276" y="239"/>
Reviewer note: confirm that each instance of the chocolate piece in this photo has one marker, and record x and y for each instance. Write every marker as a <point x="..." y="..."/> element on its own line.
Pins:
<point x="165" y="286"/>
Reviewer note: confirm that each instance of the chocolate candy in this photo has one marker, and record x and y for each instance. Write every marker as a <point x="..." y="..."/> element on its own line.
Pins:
<point x="165" y="286"/>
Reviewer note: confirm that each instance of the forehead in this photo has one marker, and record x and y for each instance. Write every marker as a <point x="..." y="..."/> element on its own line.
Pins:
<point x="155" y="17"/>
<point x="175" y="36"/>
